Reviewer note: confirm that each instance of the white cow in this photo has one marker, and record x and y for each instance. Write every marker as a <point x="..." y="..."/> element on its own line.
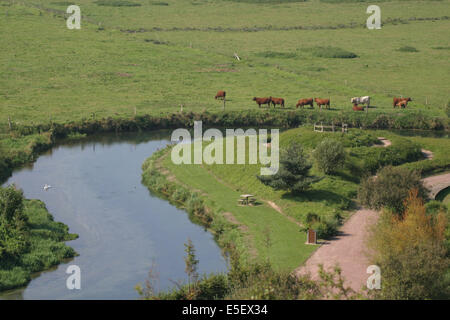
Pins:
<point x="361" y="100"/>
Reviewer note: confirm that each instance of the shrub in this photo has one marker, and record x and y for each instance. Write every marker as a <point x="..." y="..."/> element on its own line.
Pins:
<point x="390" y="188"/>
<point x="401" y="152"/>
<point x="410" y="250"/>
<point x="325" y="227"/>
<point x="329" y="155"/>
<point x="14" y="230"/>
<point x="293" y="174"/>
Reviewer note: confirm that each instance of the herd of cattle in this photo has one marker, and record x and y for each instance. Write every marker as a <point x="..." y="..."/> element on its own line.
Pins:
<point x="364" y="101"/>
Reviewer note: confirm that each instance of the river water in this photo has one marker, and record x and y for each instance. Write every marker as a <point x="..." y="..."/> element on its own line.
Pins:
<point x="124" y="230"/>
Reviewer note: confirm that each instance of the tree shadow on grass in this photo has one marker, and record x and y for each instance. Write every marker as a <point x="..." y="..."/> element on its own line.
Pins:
<point x="347" y="177"/>
<point x="317" y="195"/>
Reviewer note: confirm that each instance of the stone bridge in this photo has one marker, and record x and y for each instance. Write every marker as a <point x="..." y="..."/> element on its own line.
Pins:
<point x="437" y="183"/>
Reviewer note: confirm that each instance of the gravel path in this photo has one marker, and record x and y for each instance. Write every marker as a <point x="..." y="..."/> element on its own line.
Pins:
<point x="348" y="249"/>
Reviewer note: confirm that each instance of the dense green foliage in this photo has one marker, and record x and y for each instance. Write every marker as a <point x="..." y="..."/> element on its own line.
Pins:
<point x="390" y="188"/>
<point x="256" y="281"/>
<point x="30" y="241"/>
<point x="293" y="174"/>
<point x="410" y="249"/>
<point x="330" y="155"/>
<point x="14" y="238"/>
<point x="326" y="226"/>
<point x="375" y="158"/>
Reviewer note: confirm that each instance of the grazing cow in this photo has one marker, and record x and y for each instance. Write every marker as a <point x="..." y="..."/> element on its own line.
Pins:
<point x="402" y="104"/>
<point x="261" y="101"/>
<point x="322" y="102"/>
<point x="305" y="102"/>
<point x="357" y="108"/>
<point x="361" y="100"/>
<point x="279" y="101"/>
<point x="220" y="94"/>
<point x="397" y="100"/>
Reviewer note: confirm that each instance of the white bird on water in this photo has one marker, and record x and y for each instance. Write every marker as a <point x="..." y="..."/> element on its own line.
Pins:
<point x="46" y="187"/>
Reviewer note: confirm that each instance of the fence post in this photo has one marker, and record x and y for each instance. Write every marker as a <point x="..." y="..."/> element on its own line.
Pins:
<point x="224" y="103"/>
<point x="9" y="123"/>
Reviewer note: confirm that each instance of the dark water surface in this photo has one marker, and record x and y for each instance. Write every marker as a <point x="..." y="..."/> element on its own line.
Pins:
<point x="97" y="191"/>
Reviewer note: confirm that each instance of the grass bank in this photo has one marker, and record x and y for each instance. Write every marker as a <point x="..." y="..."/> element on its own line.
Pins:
<point x="46" y="247"/>
<point x="274" y="228"/>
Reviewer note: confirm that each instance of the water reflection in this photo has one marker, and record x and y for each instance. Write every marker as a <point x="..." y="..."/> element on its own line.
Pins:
<point x="97" y="191"/>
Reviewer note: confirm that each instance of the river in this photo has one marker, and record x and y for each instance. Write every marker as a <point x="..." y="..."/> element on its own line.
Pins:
<point x="123" y="229"/>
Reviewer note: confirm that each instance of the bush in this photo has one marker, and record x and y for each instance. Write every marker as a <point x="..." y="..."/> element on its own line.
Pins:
<point x="293" y="174"/>
<point x="329" y="155"/>
<point x="40" y="245"/>
<point x="325" y="227"/>
<point x="390" y="188"/>
<point x="14" y="229"/>
<point x="401" y="152"/>
<point x="411" y="252"/>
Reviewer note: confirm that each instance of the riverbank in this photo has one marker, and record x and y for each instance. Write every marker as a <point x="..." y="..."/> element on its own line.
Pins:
<point x="280" y="216"/>
<point x="24" y="144"/>
<point x="21" y="144"/>
<point x="46" y="247"/>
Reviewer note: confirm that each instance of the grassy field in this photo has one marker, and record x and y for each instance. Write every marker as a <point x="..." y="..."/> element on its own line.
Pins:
<point x="156" y="56"/>
<point x="334" y="195"/>
<point x="151" y="56"/>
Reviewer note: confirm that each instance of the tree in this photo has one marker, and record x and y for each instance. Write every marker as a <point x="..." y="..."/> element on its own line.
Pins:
<point x="191" y="263"/>
<point x="293" y="174"/>
<point x="411" y="253"/>
<point x="329" y="155"/>
<point x="390" y="188"/>
<point x="13" y="223"/>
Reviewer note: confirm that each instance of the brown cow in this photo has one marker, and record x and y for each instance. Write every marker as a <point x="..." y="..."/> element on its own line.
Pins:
<point x="397" y="100"/>
<point x="402" y="104"/>
<point x="357" y="108"/>
<point x="261" y="101"/>
<point x="220" y="94"/>
<point x="321" y="102"/>
<point x="279" y="101"/>
<point x="305" y="102"/>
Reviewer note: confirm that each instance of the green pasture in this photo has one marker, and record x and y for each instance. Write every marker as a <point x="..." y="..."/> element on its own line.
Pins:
<point x="153" y="57"/>
<point x="223" y="184"/>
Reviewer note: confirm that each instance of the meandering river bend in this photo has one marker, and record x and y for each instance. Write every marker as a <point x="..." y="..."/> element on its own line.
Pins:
<point x="97" y="191"/>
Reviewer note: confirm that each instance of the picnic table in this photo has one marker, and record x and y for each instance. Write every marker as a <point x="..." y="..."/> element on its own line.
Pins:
<point x="246" y="199"/>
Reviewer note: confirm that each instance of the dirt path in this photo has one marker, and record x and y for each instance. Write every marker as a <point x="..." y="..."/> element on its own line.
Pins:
<point x="428" y="154"/>
<point x="385" y="142"/>
<point x="348" y="249"/>
<point x="278" y="209"/>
